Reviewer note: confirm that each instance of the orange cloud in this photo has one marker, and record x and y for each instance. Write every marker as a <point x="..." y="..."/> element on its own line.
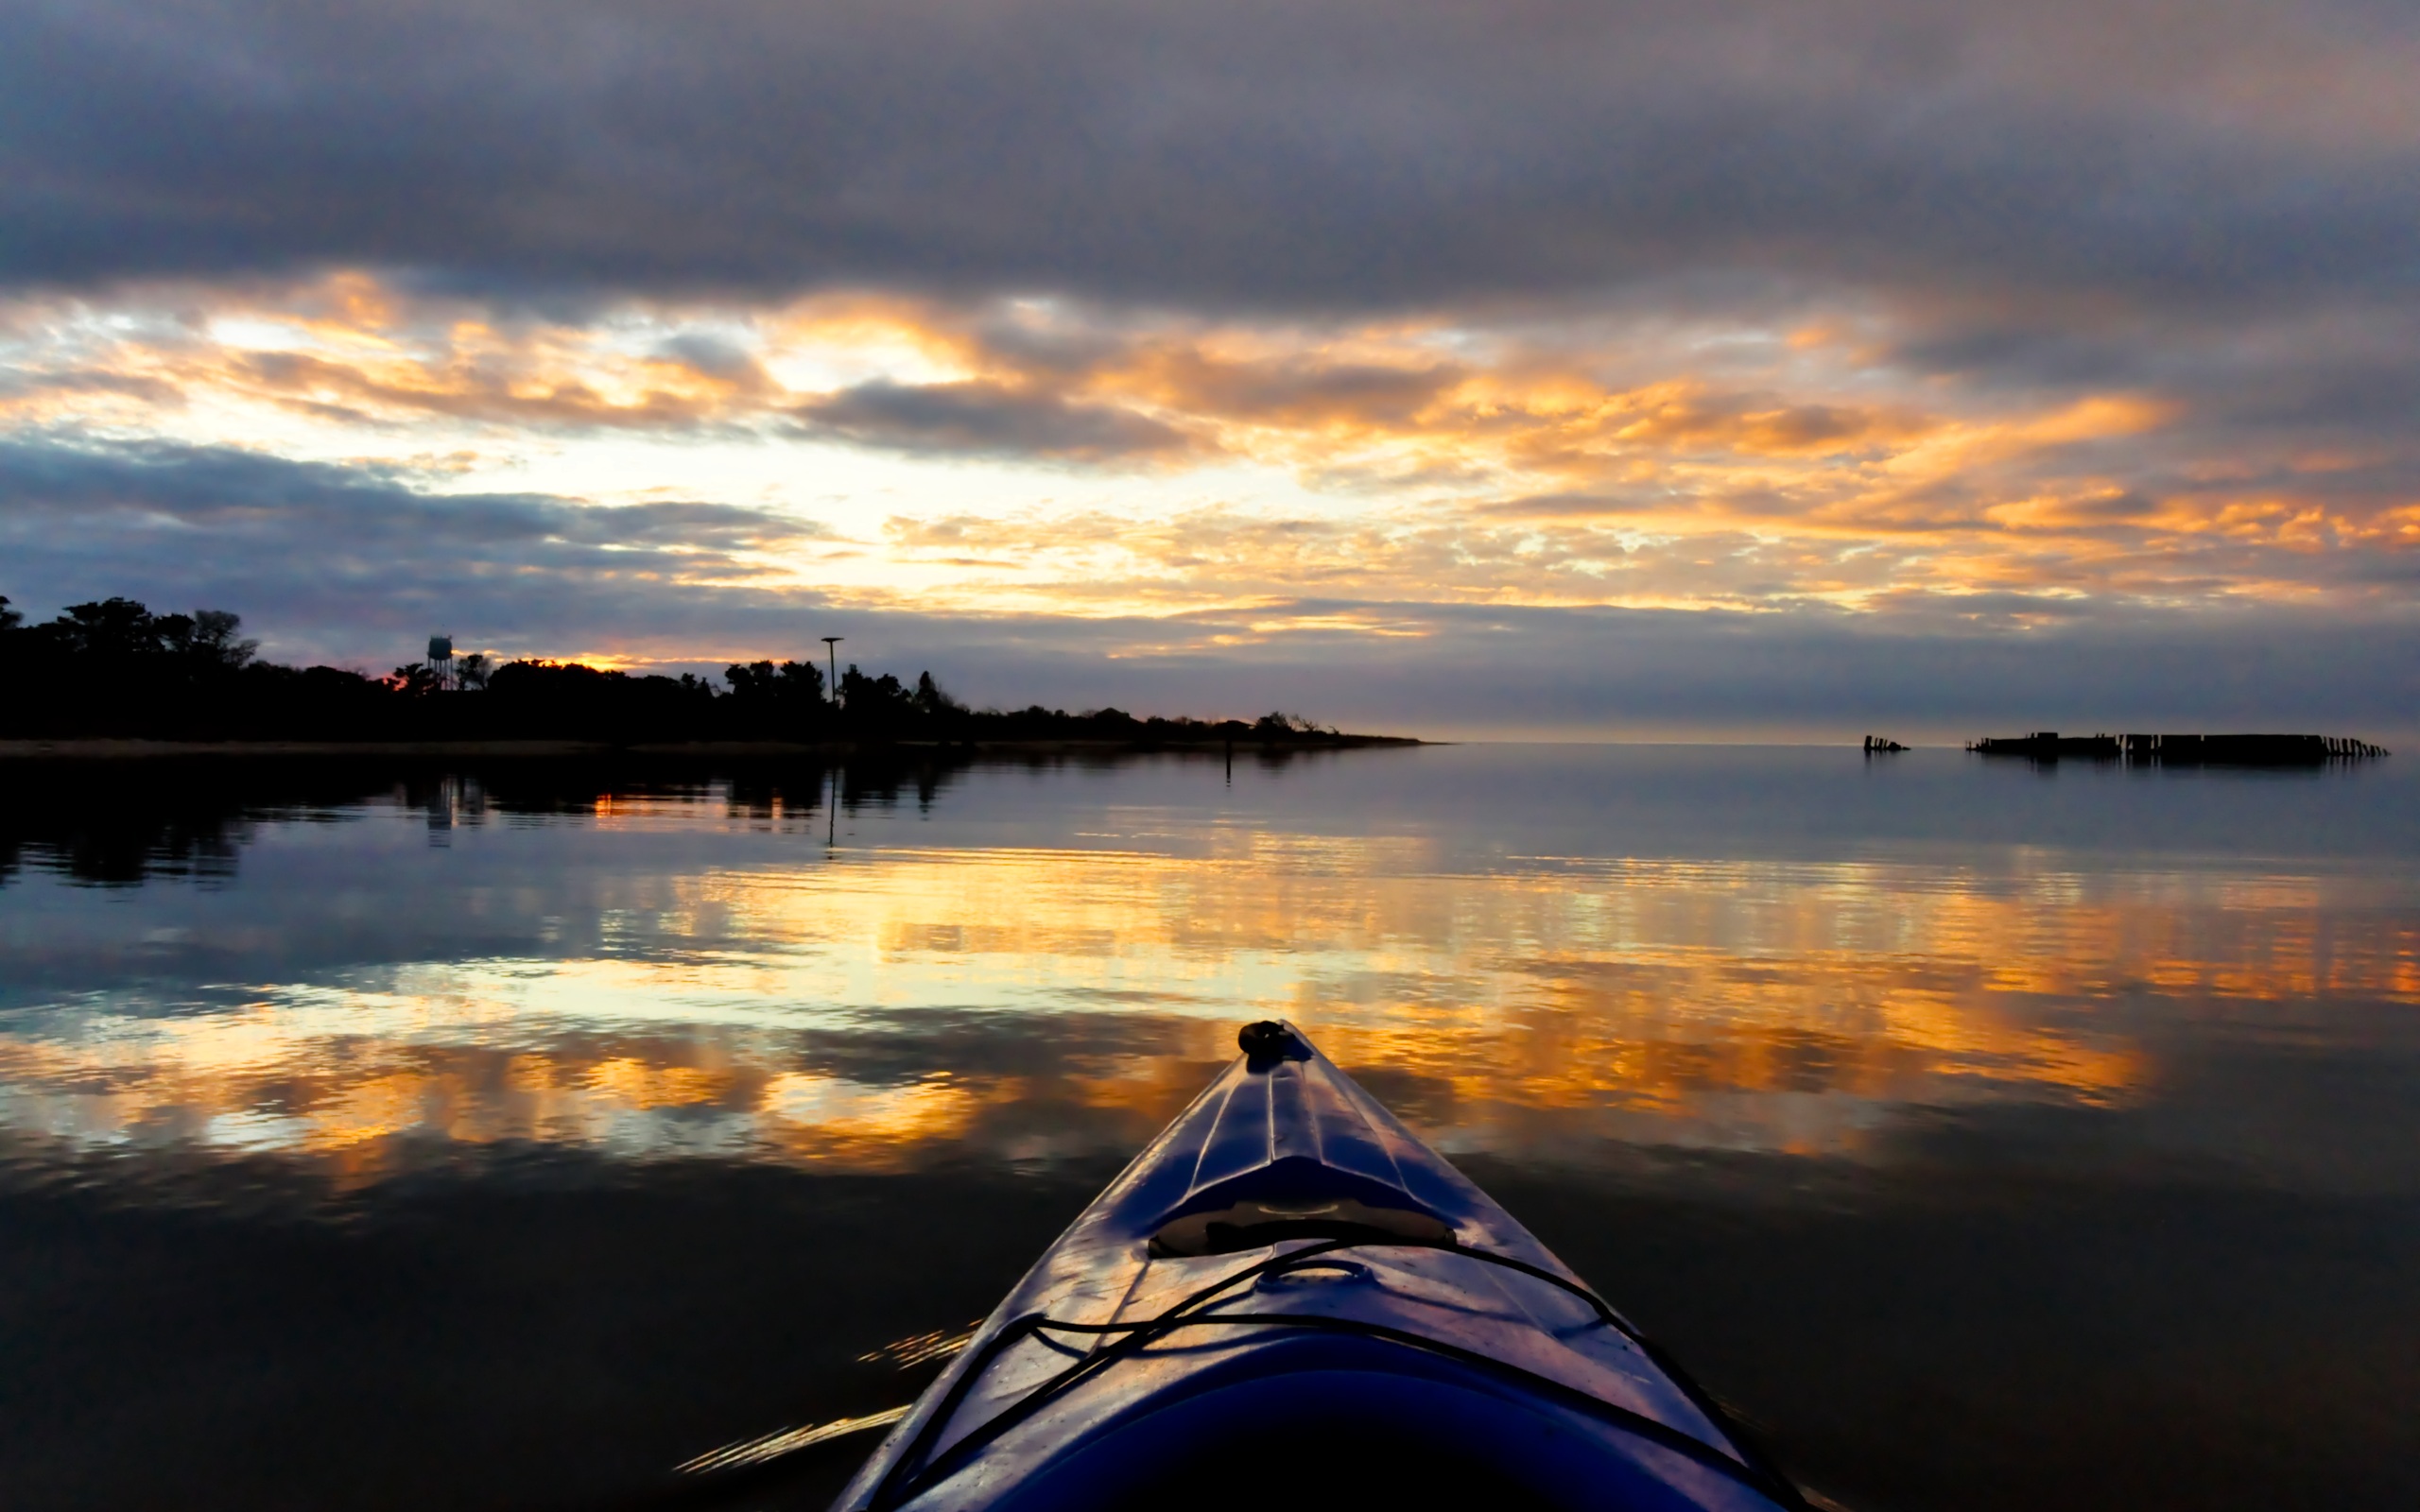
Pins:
<point x="1467" y="465"/>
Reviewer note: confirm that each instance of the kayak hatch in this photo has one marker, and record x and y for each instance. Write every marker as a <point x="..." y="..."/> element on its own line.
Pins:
<point x="1288" y="1300"/>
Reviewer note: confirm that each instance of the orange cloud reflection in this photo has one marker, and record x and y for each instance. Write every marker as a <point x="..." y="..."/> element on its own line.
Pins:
<point x="1039" y="1002"/>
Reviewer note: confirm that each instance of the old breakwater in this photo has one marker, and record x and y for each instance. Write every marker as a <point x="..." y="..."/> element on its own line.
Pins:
<point x="2183" y="751"/>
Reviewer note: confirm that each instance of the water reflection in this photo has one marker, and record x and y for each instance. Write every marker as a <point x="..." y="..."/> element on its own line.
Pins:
<point x="652" y="964"/>
<point x="121" y="823"/>
<point x="506" y="1135"/>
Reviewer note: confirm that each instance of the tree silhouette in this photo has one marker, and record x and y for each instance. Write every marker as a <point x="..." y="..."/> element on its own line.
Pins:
<point x="929" y="699"/>
<point x="109" y="627"/>
<point x="413" y="679"/>
<point x="111" y="667"/>
<point x="214" y="640"/>
<point x="784" y="701"/>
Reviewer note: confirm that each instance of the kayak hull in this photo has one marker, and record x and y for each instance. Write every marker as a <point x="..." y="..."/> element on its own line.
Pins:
<point x="1289" y="1298"/>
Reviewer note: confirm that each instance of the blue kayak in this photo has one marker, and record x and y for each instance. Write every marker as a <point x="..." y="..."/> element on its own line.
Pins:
<point x="1288" y="1300"/>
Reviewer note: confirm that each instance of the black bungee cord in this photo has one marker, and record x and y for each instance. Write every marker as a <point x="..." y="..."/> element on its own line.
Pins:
<point x="911" y="1472"/>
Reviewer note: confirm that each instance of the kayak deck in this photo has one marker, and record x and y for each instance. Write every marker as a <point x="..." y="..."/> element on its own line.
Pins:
<point x="1288" y="1295"/>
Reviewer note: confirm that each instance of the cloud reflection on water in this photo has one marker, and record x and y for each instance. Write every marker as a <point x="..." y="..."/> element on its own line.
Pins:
<point x="660" y="975"/>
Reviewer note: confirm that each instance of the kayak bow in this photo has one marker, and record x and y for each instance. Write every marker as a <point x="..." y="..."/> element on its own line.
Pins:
<point x="1289" y="1299"/>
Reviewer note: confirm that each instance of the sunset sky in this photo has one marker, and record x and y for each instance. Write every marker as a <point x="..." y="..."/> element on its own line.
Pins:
<point x="1626" y="370"/>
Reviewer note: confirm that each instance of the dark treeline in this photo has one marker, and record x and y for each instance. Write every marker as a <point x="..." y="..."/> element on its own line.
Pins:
<point x="114" y="669"/>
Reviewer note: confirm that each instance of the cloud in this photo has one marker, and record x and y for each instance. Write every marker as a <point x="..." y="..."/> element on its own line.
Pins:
<point x="329" y="561"/>
<point x="188" y="487"/>
<point x="347" y="391"/>
<point x="1296" y="390"/>
<point x="1616" y="466"/>
<point x="984" y="419"/>
<point x="1563" y="506"/>
<point x="1335" y="154"/>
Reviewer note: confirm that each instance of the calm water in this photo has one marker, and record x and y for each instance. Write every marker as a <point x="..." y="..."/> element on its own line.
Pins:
<point x="501" y="1137"/>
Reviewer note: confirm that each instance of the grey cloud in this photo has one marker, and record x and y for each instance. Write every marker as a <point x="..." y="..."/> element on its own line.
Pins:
<point x="2115" y="509"/>
<point x="983" y="417"/>
<point x="1334" y="153"/>
<point x="2341" y="367"/>
<point x="327" y="560"/>
<point x="210" y="487"/>
<point x="715" y="356"/>
<point x="1311" y="392"/>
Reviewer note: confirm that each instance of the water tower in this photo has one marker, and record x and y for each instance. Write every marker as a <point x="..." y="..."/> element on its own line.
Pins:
<point x="440" y="660"/>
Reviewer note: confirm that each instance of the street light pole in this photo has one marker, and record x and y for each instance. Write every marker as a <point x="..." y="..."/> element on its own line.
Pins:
<point x="831" y="808"/>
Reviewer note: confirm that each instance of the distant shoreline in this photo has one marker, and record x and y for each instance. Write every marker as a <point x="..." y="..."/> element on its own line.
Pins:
<point x="112" y="680"/>
<point x="106" y="749"/>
